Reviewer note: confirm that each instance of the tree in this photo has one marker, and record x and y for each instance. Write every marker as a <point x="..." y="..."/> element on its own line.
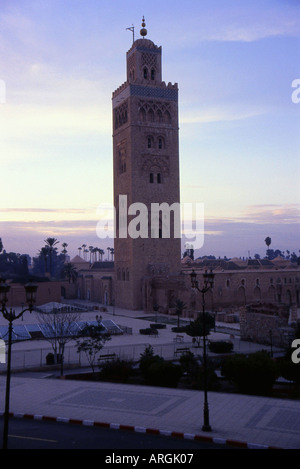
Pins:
<point x="196" y="328"/>
<point x="112" y="251"/>
<point x="59" y="329"/>
<point x="268" y="241"/>
<point x="180" y="306"/>
<point x="14" y="266"/>
<point x="69" y="271"/>
<point x="91" y="249"/>
<point x="64" y="251"/>
<point x="50" y="243"/>
<point x="44" y="255"/>
<point x="1" y="245"/>
<point x="91" y="340"/>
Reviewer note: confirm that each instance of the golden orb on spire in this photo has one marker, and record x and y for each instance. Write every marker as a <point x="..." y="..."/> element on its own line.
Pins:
<point x="143" y="31"/>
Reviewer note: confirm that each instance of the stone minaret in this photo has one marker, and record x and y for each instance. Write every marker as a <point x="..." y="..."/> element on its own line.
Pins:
<point x="146" y="171"/>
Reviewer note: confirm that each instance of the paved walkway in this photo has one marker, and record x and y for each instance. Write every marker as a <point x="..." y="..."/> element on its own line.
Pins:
<point x="250" y="421"/>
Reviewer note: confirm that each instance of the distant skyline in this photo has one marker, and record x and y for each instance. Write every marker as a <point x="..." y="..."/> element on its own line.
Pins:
<point x="234" y="63"/>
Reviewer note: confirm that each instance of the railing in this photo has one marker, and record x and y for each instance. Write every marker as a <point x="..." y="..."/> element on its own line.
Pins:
<point x="36" y="358"/>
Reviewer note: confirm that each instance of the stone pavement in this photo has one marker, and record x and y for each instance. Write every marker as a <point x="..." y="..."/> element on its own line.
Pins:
<point x="240" y="420"/>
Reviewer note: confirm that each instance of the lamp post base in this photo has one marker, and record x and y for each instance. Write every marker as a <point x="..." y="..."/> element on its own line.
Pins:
<point x="206" y="428"/>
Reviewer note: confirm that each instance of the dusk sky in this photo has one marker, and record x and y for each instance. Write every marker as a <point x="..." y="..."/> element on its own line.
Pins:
<point x="235" y="63"/>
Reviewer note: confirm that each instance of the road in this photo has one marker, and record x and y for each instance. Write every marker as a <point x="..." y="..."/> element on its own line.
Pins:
<point x="35" y="434"/>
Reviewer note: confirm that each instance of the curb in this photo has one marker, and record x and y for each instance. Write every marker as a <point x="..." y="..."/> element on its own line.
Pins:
<point x="137" y="429"/>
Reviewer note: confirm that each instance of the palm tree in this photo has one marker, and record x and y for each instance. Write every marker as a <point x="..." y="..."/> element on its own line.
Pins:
<point x="79" y="251"/>
<point x="64" y="251"/>
<point x="44" y="253"/>
<point x="70" y="272"/>
<point x="101" y="252"/>
<point x="268" y="241"/>
<point x="50" y="243"/>
<point x="83" y="247"/>
<point x="112" y="251"/>
<point x="180" y="306"/>
<point x="91" y="249"/>
<point x="108" y="250"/>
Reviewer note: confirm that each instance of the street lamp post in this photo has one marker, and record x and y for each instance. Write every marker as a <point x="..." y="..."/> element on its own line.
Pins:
<point x="11" y="316"/>
<point x="208" y="284"/>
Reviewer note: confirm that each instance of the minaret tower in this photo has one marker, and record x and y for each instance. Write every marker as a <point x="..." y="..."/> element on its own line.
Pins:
<point x="146" y="171"/>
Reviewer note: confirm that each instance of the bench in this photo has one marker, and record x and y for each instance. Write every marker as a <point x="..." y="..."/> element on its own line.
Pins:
<point x="108" y="356"/>
<point x="178" y="338"/>
<point x="181" y="351"/>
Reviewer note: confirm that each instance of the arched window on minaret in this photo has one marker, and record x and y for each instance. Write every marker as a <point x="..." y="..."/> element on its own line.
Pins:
<point x="150" y="142"/>
<point x="161" y="143"/>
<point x="167" y="117"/>
<point x="145" y="73"/>
<point x="142" y="115"/>
<point x="152" y="74"/>
<point x="151" y="115"/>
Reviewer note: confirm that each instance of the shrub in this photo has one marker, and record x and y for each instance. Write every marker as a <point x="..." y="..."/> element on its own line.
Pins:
<point x="148" y="331"/>
<point x="188" y="362"/>
<point x="147" y="359"/>
<point x="197" y="380"/>
<point x="220" y="346"/>
<point x="117" y="370"/>
<point x="157" y="326"/>
<point x="179" y="329"/>
<point x="163" y="373"/>
<point x="253" y="374"/>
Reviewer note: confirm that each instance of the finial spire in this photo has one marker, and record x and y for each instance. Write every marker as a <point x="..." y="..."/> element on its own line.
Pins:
<point x="143" y="31"/>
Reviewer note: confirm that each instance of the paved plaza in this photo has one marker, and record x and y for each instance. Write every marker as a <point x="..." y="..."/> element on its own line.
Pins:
<point x="252" y="421"/>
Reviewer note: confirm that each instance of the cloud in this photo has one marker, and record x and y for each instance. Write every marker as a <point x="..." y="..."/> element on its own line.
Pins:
<point x="273" y="214"/>
<point x="219" y="114"/>
<point x="248" y="22"/>
<point x="41" y="210"/>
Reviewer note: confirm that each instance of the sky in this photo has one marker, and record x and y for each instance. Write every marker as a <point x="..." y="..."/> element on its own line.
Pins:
<point x="236" y="63"/>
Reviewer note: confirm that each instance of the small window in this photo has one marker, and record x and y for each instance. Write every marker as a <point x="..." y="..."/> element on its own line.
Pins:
<point x="158" y="178"/>
<point x="151" y="178"/>
<point x="145" y="73"/>
<point x="160" y="143"/>
<point x="152" y="74"/>
<point x="149" y="142"/>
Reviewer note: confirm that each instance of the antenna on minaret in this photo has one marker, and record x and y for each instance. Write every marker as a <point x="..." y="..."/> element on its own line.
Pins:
<point x="132" y="30"/>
